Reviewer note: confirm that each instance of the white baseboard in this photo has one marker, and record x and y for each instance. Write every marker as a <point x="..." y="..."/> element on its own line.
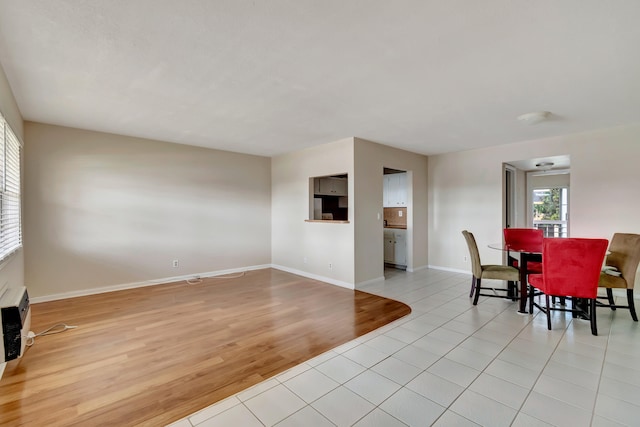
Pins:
<point x="416" y="269"/>
<point x="94" y="291"/>
<point x="314" y="276"/>
<point x="101" y="290"/>
<point x="451" y="270"/>
<point x="370" y="282"/>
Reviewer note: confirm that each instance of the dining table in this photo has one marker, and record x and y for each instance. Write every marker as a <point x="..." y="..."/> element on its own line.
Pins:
<point x="528" y="252"/>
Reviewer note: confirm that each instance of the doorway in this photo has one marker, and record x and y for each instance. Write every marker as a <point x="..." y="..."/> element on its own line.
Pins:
<point x="548" y="202"/>
<point x="510" y="195"/>
<point x="536" y="194"/>
<point x="396" y="218"/>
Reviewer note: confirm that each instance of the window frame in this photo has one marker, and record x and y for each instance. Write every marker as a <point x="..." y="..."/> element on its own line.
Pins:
<point x="10" y="191"/>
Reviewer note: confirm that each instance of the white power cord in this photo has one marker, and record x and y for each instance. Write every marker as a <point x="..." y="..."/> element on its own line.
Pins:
<point x="62" y="327"/>
<point x="197" y="279"/>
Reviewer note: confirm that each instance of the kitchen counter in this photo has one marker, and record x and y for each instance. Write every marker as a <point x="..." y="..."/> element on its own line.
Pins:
<point x="396" y="227"/>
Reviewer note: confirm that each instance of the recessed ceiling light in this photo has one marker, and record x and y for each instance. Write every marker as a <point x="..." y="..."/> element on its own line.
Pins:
<point x="534" y="117"/>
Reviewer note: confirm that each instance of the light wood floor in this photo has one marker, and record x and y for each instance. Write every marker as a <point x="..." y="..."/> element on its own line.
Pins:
<point x="152" y="355"/>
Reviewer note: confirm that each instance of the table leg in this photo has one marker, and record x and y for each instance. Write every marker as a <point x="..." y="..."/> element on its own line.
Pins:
<point x="512" y="287"/>
<point x="524" y="259"/>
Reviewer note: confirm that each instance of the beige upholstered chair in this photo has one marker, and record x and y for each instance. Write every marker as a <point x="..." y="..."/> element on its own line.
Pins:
<point x="497" y="272"/>
<point x="624" y="256"/>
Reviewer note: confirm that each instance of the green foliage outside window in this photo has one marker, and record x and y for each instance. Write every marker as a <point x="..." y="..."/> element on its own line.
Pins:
<point x="547" y="207"/>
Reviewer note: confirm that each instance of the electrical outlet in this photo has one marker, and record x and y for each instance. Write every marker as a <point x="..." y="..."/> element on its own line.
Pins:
<point x="330" y="266"/>
<point x="304" y="260"/>
<point x="465" y="258"/>
<point x="175" y="263"/>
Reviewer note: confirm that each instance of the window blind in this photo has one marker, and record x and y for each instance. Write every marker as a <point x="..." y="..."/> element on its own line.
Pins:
<point x="10" y="224"/>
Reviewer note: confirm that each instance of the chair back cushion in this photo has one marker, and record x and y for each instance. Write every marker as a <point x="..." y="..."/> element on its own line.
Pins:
<point x="476" y="266"/>
<point x="625" y="255"/>
<point x="526" y="238"/>
<point x="571" y="266"/>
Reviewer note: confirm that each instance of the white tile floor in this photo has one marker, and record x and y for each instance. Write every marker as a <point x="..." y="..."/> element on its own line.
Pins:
<point x="452" y="364"/>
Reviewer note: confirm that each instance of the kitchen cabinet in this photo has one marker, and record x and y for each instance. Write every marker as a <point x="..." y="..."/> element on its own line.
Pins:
<point x="395" y="190"/>
<point x="389" y="243"/>
<point x="395" y="247"/>
<point x="400" y="254"/>
<point x="330" y="186"/>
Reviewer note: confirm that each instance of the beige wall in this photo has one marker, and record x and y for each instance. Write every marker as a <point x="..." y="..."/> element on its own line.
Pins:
<point x="465" y="191"/>
<point x="103" y="210"/>
<point x="370" y="161"/>
<point x="12" y="269"/>
<point x="355" y="250"/>
<point x="295" y="240"/>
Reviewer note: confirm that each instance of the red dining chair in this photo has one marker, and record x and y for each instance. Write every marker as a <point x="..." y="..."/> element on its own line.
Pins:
<point x="570" y="268"/>
<point x="525" y="238"/>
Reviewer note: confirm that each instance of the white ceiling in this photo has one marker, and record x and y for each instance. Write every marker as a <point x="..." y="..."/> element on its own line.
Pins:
<point x="269" y="77"/>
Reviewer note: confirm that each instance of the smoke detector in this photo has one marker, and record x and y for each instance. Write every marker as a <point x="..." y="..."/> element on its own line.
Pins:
<point x="534" y="117"/>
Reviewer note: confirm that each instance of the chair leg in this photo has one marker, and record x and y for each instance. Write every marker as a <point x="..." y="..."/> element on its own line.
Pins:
<point x="531" y="300"/>
<point x="592" y="316"/>
<point x="548" y="312"/>
<point x="513" y="290"/>
<point x="632" y="307"/>
<point x="473" y="286"/>
<point x="574" y="307"/>
<point x="477" y="296"/>
<point x="612" y="303"/>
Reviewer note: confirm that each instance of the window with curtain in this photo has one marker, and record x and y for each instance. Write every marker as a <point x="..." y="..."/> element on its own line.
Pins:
<point x="10" y="226"/>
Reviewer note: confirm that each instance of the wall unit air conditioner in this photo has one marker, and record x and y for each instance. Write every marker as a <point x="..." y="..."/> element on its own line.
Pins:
<point x="15" y="318"/>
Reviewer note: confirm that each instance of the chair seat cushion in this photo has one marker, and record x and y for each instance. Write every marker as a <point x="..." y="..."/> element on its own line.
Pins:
<point x="532" y="266"/>
<point x="609" y="281"/>
<point x="537" y="281"/>
<point x="500" y="272"/>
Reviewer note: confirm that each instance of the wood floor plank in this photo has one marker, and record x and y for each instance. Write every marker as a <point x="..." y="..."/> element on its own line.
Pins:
<point x="152" y="355"/>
